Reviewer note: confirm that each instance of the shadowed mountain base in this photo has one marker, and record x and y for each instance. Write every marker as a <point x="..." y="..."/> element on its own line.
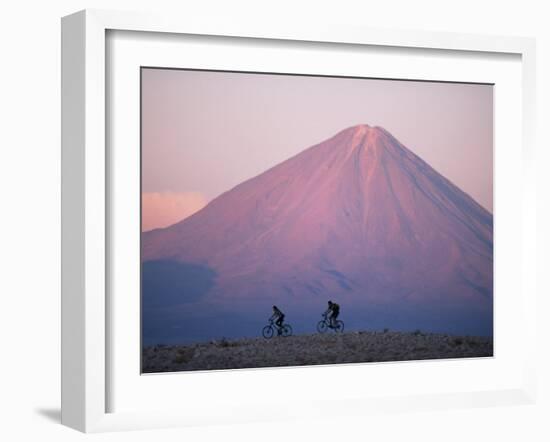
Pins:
<point x="354" y="347"/>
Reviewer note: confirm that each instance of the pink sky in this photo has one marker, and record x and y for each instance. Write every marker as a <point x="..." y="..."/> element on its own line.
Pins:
<point x="162" y="209"/>
<point x="205" y="132"/>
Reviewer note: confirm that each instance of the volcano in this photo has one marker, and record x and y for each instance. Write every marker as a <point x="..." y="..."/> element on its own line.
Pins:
<point x="358" y="219"/>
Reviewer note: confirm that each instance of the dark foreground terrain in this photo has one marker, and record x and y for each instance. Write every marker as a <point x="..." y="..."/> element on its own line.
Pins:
<point x="313" y="350"/>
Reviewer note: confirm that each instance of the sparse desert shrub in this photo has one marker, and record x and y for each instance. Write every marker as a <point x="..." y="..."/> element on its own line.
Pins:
<point x="351" y="344"/>
<point x="386" y="330"/>
<point x="184" y="355"/>
<point x="417" y="332"/>
<point x="457" y="342"/>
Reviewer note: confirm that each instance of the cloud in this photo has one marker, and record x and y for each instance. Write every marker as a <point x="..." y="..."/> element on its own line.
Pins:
<point x="162" y="209"/>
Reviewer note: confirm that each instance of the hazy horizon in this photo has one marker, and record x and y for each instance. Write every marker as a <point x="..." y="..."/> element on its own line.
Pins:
<point x="205" y="132"/>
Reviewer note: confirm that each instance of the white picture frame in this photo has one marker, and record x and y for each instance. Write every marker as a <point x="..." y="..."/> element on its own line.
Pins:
<point x="86" y="206"/>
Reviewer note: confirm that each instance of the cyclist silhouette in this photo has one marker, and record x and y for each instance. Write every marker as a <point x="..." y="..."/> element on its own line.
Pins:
<point x="280" y="316"/>
<point x="333" y="311"/>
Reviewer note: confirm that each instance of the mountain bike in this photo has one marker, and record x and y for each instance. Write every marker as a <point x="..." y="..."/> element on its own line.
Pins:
<point x="269" y="330"/>
<point x="324" y="324"/>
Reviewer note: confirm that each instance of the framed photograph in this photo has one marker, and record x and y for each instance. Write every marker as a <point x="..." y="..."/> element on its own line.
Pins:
<point x="354" y="248"/>
<point x="249" y="209"/>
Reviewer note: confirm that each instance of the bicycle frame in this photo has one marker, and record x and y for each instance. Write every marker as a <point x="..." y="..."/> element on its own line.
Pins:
<point x="272" y="323"/>
<point x="328" y="321"/>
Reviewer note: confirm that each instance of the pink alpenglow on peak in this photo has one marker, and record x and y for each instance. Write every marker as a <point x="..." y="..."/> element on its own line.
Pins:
<point x="358" y="218"/>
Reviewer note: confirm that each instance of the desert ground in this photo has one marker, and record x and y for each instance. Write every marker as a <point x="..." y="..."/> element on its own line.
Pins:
<point x="345" y="348"/>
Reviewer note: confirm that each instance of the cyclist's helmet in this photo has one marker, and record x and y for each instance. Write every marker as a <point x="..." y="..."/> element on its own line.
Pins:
<point x="330" y="303"/>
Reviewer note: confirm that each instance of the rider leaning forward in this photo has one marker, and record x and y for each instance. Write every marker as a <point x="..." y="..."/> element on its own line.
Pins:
<point x="279" y="316"/>
<point x="333" y="311"/>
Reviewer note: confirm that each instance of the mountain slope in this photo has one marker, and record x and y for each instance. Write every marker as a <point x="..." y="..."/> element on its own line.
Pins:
<point x="358" y="218"/>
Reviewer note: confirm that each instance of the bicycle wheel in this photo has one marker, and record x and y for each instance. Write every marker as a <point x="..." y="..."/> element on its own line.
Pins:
<point x="322" y="326"/>
<point x="339" y="327"/>
<point x="267" y="332"/>
<point x="287" y="330"/>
